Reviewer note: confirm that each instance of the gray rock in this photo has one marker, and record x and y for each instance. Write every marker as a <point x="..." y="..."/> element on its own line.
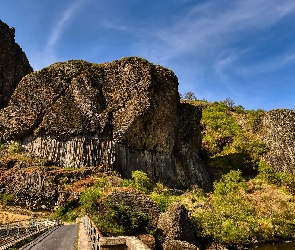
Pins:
<point x="178" y="245"/>
<point x="125" y="114"/>
<point x="277" y="131"/>
<point x="175" y="224"/>
<point x="14" y="64"/>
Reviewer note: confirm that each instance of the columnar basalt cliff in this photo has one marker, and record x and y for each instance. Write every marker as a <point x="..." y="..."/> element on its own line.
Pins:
<point x="14" y="64"/>
<point x="277" y="129"/>
<point x="36" y="185"/>
<point x="125" y="114"/>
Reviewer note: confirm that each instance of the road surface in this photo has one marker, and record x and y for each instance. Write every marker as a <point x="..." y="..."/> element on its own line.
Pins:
<point x="63" y="238"/>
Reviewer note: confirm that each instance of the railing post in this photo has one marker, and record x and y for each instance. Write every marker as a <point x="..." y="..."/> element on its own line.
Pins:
<point x="96" y="241"/>
<point x="7" y="229"/>
<point x="18" y="227"/>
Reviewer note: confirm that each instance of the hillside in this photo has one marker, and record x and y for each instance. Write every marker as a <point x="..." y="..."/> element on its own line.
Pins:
<point x="115" y="141"/>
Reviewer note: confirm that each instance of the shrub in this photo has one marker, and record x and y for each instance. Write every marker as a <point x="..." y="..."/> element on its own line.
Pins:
<point x="121" y="219"/>
<point x="254" y="119"/>
<point x="68" y="212"/>
<point x="6" y="199"/>
<point x="230" y="182"/>
<point x="2" y="147"/>
<point x="267" y="173"/>
<point x="237" y="214"/>
<point x="88" y="199"/>
<point x="15" y="147"/>
<point x="164" y="200"/>
<point x="142" y="182"/>
<point x="219" y="128"/>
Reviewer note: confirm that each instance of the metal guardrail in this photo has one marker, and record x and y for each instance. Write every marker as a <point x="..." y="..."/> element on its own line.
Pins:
<point x="13" y="233"/>
<point x="92" y="231"/>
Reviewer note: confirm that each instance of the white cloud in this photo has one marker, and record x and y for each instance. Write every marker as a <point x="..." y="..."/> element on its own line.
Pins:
<point x="212" y="26"/>
<point x="57" y="31"/>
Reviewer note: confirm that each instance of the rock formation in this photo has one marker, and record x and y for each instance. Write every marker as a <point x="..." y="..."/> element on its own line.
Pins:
<point x="178" y="245"/>
<point x="13" y="63"/>
<point x="37" y="186"/>
<point x="277" y="131"/>
<point x="175" y="224"/>
<point x="125" y="114"/>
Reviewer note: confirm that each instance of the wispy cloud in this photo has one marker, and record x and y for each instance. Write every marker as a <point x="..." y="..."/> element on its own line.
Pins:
<point x="57" y="31"/>
<point x="221" y="34"/>
<point x="214" y="24"/>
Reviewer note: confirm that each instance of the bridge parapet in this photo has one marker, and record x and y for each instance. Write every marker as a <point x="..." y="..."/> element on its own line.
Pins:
<point x="111" y="243"/>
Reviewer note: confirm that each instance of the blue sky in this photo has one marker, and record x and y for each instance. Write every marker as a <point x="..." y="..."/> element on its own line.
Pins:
<point x="241" y="49"/>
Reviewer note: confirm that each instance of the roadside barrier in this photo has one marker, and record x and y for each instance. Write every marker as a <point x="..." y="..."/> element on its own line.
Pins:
<point x="92" y="231"/>
<point x="13" y="233"/>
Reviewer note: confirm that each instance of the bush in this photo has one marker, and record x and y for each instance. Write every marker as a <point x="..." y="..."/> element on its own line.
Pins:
<point x="254" y="119"/>
<point x="164" y="200"/>
<point x="15" y="147"/>
<point x="121" y="220"/>
<point x="229" y="183"/>
<point x="267" y="173"/>
<point x="236" y="214"/>
<point x="88" y="199"/>
<point x="69" y="212"/>
<point x="2" y="147"/>
<point x="219" y="128"/>
<point x="141" y="181"/>
<point x="6" y="199"/>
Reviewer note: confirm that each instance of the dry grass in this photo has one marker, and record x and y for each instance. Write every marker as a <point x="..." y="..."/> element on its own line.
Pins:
<point x="7" y="217"/>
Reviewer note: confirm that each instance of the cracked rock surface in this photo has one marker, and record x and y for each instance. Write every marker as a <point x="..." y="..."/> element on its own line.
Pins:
<point x="125" y="114"/>
<point x="14" y="64"/>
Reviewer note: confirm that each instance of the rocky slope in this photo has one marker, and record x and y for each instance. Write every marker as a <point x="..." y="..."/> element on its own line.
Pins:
<point x="125" y="114"/>
<point x="14" y="64"/>
<point x="35" y="185"/>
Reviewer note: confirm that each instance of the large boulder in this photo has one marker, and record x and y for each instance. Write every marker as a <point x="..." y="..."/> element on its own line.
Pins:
<point x="278" y="132"/>
<point x="175" y="224"/>
<point x="125" y="114"/>
<point x="178" y="245"/>
<point x="14" y="64"/>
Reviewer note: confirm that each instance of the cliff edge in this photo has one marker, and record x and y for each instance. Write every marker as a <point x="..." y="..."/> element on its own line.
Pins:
<point x="14" y="64"/>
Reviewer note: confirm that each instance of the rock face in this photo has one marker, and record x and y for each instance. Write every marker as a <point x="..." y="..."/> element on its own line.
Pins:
<point x="37" y="186"/>
<point x="13" y="63"/>
<point x="175" y="225"/>
<point x="125" y="114"/>
<point x="277" y="130"/>
<point x="178" y="245"/>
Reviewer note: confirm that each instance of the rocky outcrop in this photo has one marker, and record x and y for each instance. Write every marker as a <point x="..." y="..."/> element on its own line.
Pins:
<point x="178" y="245"/>
<point x="13" y="63"/>
<point x="37" y="186"/>
<point x="134" y="199"/>
<point x="277" y="131"/>
<point x="125" y="114"/>
<point x="175" y="224"/>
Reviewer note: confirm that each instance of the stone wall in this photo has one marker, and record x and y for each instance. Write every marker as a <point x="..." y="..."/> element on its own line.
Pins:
<point x="13" y="63"/>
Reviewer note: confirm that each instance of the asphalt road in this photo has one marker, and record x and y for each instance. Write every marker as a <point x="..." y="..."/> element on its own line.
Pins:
<point x="63" y="238"/>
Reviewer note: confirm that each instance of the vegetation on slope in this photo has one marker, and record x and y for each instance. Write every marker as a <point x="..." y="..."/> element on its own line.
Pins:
<point x="229" y="137"/>
<point x="249" y="201"/>
<point x="237" y="211"/>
